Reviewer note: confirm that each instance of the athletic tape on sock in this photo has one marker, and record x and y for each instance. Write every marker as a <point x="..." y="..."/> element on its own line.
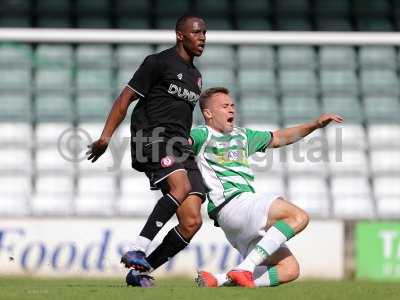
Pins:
<point x="273" y="276"/>
<point x="285" y="228"/>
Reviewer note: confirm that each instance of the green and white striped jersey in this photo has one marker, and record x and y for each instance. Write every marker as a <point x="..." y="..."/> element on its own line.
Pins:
<point x="223" y="160"/>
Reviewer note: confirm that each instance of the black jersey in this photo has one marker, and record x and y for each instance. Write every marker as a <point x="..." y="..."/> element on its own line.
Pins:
<point x="169" y="89"/>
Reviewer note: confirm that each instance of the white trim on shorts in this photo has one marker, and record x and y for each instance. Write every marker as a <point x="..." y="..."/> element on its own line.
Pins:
<point x="161" y="179"/>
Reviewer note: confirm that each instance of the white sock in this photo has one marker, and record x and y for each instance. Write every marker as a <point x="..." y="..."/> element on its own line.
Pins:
<point x="271" y="242"/>
<point x="141" y="243"/>
<point x="264" y="276"/>
<point x="221" y="278"/>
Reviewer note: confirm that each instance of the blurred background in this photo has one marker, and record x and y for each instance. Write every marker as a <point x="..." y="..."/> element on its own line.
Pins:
<point x="55" y="97"/>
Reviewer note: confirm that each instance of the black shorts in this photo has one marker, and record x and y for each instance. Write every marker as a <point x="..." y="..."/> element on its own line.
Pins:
<point x="159" y="162"/>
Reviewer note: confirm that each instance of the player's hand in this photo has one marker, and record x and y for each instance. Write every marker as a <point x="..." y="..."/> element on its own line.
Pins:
<point x="96" y="149"/>
<point x="325" y="119"/>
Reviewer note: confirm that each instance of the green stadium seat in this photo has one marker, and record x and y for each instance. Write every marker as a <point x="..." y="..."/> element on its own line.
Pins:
<point x="172" y="8"/>
<point x="217" y="56"/>
<point x="15" y="55"/>
<point x="218" y="77"/>
<point x="15" y="6"/>
<point x="53" y="79"/>
<point x="299" y="109"/>
<point x="15" y="106"/>
<point x="371" y="7"/>
<point x="50" y="56"/>
<point x="377" y="57"/>
<point x="333" y="24"/>
<point x="219" y="23"/>
<point x="131" y="56"/>
<point x="254" y="107"/>
<point x="381" y="109"/>
<point x="93" y="107"/>
<point x="15" y="21"/>
<point x="54" y="22"/>
<point x="257" y="80"/>
<point x="93" y="22"/>
<point x="297" y="7"/>
<point x="346" y="106"/>
<point x="133" y="23"/>
<point x="374" y="24"/>
<point x="296" y="57"/>
<point x="294" y="24"/>
<point x="252" y="9"/>
<point x="167" y="23"/>
<point x="212" y="8"/>
<point x="337" y="57"/>
<point x="256" y="56"/>
<point x="94" y="80"/>
<point x="89" y="7"/>
<point x="50" y="7"/>
<point x="379" y="82"/>
<point x="53" y="107"/>
<point x="254" y="23"/>
<point x="298" y="82"/>
<point x="15" y="79"/>
<point x="332" y="8"/>
<point x="343" y="82"/>
<point x="123" y="77"/>
<point x="93" y="56"/>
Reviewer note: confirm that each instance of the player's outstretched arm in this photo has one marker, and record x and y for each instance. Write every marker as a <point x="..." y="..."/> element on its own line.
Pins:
<point x="115" y="117"/>
<point x="291" y="135"/>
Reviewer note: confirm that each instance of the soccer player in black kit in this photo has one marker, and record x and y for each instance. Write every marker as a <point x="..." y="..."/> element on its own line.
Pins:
<point x="168" y="86"/>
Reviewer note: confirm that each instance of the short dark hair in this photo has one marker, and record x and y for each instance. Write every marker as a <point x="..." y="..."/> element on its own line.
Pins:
<point x="182" y="20"/>
<point x="208" y="93"/>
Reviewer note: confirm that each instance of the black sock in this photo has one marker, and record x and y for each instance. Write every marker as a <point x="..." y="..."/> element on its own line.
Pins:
<point x="171" y="245"/>
<point x="164" y="209"/>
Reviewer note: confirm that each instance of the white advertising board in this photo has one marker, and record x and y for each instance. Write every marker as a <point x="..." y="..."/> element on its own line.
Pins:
<point x="93" y="247"/>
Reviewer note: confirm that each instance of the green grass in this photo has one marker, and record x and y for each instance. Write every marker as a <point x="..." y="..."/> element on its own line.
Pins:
<point x="99" y="289"/>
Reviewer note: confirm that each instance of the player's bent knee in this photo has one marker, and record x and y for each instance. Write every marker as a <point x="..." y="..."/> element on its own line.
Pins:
<point x="302" y="219"/>
<point x="191" y="225"/>
<point x="290" y="272"/>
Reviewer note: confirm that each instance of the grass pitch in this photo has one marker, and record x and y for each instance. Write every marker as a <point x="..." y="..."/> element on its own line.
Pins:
<point x="99" y="289"/>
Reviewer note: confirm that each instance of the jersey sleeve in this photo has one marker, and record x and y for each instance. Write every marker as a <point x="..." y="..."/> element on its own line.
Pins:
<point x="145" y="76"/>
<point x="258" y="141"/>
<point x="198" y="136"/>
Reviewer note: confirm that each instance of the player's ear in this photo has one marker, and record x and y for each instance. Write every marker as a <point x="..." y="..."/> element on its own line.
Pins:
<point x="207" y="114"/>
<point x="179" y="36"/>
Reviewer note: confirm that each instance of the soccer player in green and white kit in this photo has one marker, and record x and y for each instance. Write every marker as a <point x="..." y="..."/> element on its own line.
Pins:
<point x="256" y="226"/>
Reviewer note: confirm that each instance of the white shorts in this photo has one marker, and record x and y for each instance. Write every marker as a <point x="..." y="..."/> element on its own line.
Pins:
<point x="244" y="219"/>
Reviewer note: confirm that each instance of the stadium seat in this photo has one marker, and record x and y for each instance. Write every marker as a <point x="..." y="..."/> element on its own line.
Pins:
<point x="294" y="24"/>
<point x="257" y="80"/>
<point x="93" y="107"/>
<point x="131" y="56"/>
<point x="346" y="106"/>
<point x="171" y="8"/>
<point x="379" y="82"/>
<point x="332" y="8"/>
<point x="333" y="24"/>
<point x="54" y="160"/>
<point x="53" y="7"/>
<point x="382" y="109"/>
<point x="378" y="57"/>
<point x="272" y="186"/>
<point x="48" y="134"/>
<point x="96" y="195"/>
<point x="94" y="80"/>
<point x="127" y="8"/>
<point x="298" y="7"/>
<point x="299" y="109"/>
<point x="123" y="77"/>
<point x="258" y="107"/>
<point x="371" y="7"/>
<point x="339" y="82"/>
<point x="16" y="134"/>
<point x="53" y="79"/>
<point x="271" y="162"/>
<point x="218" y="56"/>
<point x="15" y="191"/>
<point x="296" y="57"/>
<point x="385" y="161"/>
<point x="301" y="161"/>
<point x="93" y="22"/>
<point x="15" y="79"/>
<point x="384" y="135"/>
<point x="13" y="55"/>
<point x="88" y="7"/>
<point x="298" y="82"/>
<point x="57" y="56"/>
<point x="350" y="202"/>
<point x="218" y="77"/>
<point x="54" y="194"/>
<point x="94" y="56"/>
<point x="374" y="24"/>
<point x="19" y="21"/>
<point x="256" y="57"/>
<point x="254" y="23"/>
<point x="53" y="107"/>
<point x="337" y="57"/>
<point x="126" y="22"/>
<point x="352" y="162"/>
<point x="311" y="194"/>
<point x="136" y="197"/>
<point x="387" y="195"/>
<point x="350" y="136"/>
<point x="15" y="160"/>
<point x="54" y="22"/>
<point x="211" y="8"/>
<point x="253" y="9"/>
<point x="15" y="106"/>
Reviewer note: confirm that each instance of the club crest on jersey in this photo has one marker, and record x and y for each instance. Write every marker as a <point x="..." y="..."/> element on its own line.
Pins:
<point x="180" y="76"/>
<point x="233" y="155"/>
<point x="200" y="83"/>
<point x="167" y="161"/>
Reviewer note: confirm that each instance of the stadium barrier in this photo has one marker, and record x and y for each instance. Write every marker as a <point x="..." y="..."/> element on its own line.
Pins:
<point x="93" y="247"/>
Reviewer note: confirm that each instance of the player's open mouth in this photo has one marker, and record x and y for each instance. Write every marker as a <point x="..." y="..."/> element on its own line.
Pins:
<point x="230" y="120"/>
